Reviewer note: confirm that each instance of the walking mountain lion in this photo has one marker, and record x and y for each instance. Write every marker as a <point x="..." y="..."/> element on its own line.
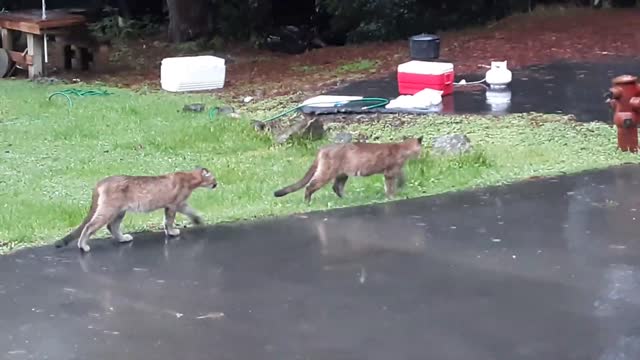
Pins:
<point x="115" y="195"/>
<point x="339" y="161"/>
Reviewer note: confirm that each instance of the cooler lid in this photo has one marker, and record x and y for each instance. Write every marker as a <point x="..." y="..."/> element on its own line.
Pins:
<point x="194" y="60"/>
<point x="425" y="37"/>
<point x="425" y="67"/>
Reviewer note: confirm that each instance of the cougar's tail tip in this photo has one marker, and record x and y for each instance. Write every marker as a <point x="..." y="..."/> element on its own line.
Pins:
<point x="63" y="242"/>
<point x="279" y="193"/>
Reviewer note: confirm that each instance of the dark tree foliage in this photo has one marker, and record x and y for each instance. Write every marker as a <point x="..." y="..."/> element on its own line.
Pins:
<point x="335" y="21"/>
<point x="361" y="20"/>
<point x="188" y="19"/>
<point x="241" y="19"/>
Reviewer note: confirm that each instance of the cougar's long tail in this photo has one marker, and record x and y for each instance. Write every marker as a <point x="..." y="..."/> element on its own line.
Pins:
<point x="301" y="183"/>
<point x="76" y="233"/>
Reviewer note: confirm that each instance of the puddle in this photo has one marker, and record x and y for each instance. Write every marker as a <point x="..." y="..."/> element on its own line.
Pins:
<point x="556" y="88"/>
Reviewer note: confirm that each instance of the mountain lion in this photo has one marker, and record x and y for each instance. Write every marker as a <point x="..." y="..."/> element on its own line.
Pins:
<point x="115" y="195"/>
<point x="339" y="161"/>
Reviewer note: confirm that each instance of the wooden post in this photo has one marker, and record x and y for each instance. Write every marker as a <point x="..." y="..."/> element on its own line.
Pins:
<point x="35" y="47"/>
<point x="7" y="40"/>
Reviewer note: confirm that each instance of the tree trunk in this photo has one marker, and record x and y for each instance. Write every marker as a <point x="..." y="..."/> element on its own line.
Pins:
<point x="188" y="19"/>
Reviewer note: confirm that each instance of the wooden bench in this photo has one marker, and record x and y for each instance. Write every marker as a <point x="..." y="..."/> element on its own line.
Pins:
<point x="79" y="43"/>
<point x="35" y="27"/>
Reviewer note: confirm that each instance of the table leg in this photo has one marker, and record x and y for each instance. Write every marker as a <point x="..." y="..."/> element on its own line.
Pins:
<point x="67" y="53"/>
<point x="7" y="40"/>
<point x="35" y="47"/>
<point x="84" y="58"/>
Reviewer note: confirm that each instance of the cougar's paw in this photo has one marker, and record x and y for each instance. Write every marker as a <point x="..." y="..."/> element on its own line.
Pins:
<point x="172" y="232"/>
<point x="125" y="238"/>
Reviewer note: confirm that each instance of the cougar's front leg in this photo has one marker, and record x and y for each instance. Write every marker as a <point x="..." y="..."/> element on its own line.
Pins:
<point x="401" y="179"/>
<point x="169" y="219"/>
<point x="192" y="214"/>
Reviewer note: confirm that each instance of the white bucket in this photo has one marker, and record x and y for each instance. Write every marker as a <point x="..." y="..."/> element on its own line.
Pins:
<point x="192" y="73"/>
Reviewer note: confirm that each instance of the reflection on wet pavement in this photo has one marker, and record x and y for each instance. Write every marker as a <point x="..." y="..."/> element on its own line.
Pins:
<point x="557" y="88"/>
<point x="538" y="270"/>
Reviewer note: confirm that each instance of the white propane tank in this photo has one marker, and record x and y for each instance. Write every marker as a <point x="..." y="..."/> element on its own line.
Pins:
<point x="192" y="73"/>
<point x="499" y="76"/>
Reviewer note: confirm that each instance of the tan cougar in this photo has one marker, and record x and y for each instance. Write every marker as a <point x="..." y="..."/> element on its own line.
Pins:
<point x="339" y="161"/>
<point x="115" y="195"/>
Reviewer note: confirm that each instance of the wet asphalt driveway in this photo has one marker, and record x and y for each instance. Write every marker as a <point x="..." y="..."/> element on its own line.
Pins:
<point x="539" y="270"/>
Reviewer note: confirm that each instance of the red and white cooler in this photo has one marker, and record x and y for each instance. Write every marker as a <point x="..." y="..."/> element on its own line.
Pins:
<point x="414" y="76"/>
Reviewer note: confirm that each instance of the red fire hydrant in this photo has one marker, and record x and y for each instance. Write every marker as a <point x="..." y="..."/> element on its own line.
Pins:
<point x="625" y="101"/>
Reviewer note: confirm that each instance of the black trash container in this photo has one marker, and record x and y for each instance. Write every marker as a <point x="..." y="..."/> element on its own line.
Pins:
<point x="424" y="47"/>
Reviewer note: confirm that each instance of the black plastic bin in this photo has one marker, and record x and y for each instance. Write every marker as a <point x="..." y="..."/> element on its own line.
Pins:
<point x="424" y="47"/>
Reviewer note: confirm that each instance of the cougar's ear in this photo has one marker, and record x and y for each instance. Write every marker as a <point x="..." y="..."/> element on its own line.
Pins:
<point x="420" y="140"/>
<point x="205" y="172"/>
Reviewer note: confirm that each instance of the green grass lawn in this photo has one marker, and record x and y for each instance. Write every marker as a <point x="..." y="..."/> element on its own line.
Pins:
<point x="51" y="157"/>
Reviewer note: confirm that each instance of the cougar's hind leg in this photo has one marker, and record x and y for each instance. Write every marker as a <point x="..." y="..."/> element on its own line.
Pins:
<point x="314" y="185"/>
<point x="99" y="220"/>
<point x="339" y="184"/>
<point x="116" y="232"/>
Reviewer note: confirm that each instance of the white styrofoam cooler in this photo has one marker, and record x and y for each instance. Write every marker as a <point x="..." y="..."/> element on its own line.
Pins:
<point x="192" y="73"/>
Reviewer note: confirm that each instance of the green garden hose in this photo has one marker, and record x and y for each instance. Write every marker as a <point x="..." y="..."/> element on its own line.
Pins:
<point x="77" y="92"/>
<point x="379" y="102"/>
<point x="213" y="112"/>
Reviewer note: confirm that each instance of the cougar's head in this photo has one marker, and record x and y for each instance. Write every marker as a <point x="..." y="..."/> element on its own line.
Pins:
<point x="413" y="146"/>
<point x="207" y="180"/>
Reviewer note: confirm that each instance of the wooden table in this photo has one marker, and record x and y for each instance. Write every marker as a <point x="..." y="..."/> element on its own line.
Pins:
<point x="35" y="27"/>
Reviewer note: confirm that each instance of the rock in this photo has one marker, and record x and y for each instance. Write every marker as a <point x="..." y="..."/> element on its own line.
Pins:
<point x="282" y="138"/>
<point x="343" y="138"/>
<point x="247" y="99"/>
<point x="360" y="137"/>
<point x="308" y="129"/>
<point x="259" y="126"/>
<point x="193" y="108"/>
<point x="225" y="110"/>
<point x="453" y="144"/>
<point x="314" y="130"/>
